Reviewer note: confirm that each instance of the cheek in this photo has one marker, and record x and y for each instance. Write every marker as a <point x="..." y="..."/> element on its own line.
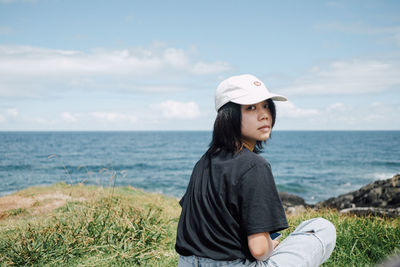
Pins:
<point x="246" y="123"/>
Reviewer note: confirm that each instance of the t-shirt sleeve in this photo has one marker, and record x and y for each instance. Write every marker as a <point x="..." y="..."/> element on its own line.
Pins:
<point x="261" y="207"/>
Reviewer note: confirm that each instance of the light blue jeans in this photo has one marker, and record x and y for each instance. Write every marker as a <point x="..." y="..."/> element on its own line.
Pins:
<point x="309" y="245"/>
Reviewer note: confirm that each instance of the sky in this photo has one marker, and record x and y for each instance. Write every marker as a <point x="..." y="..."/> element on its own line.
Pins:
<point x="155" y="65"/>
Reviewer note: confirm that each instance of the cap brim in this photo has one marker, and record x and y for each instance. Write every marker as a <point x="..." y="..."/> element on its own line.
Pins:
<point x="279" y="98"/>
<point x="254" y="99"/>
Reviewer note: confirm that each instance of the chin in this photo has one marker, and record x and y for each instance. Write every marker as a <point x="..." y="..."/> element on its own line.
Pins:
<point x="264" y="138"/>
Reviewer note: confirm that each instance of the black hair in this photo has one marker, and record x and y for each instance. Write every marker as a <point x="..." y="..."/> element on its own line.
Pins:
<point x="227" y="133"/>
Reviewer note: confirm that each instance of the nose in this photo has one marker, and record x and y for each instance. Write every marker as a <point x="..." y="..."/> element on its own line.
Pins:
<point x="264" y="114"/>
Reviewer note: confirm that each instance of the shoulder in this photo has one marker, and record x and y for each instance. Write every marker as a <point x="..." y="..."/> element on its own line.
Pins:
<point x="252" y="159"/>
<point x="202" y="162"/>
<point x="237" y="165"/>
<point x="243" y="164"/>
<point x="256" y="170"/>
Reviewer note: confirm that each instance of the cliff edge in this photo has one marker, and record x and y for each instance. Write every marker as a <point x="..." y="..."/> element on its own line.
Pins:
<point x="380" y="198"/>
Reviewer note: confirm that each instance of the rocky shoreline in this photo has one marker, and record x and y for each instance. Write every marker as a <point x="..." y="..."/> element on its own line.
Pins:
<point x="380" y="198"/>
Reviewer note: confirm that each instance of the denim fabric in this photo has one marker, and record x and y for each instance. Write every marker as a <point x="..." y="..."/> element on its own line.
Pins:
<point x="309" y="245"/>
<point x="189" y="261"/>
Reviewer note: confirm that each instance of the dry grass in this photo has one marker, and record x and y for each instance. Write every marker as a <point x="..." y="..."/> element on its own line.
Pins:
<point x="36" y="204"/>
<point x="95" y="226"/>
<point x="87" y="226"/>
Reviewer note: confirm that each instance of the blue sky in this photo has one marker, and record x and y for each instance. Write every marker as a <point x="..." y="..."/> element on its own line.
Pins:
<point x="155" y="65"/>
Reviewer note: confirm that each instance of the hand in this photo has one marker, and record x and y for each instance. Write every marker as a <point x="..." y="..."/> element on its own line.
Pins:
<point x="275" y="243"/>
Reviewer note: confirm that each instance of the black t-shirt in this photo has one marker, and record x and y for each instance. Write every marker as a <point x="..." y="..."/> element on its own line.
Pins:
<point x="229" y="197"/>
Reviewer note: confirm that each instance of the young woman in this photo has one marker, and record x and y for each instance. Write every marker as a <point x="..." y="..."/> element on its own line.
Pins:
<point x="231" y="205"/>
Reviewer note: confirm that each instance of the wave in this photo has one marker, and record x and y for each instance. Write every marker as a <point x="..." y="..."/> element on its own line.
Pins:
<point x="292" y="188"/>
<point x="382" y="175"/>
<point x="13" y="167"/>
<point x="122" y="167"/>
<point x="386" y="163"/>
<point x="108" y="167"/>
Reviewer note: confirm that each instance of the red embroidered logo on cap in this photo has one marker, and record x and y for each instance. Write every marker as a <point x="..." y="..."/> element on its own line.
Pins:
<point x="257" y="83"/>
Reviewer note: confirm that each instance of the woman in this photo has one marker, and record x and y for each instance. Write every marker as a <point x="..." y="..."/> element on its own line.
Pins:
<point x="231" y="204"/>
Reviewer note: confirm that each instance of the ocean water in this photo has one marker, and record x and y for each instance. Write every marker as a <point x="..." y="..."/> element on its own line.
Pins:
<point x="315" y="165"/>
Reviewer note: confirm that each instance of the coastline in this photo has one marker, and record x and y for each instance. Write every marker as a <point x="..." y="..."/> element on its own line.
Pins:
<point x="80" y="225"/>
<point x="379" y="198"/>
<point x="304" y="163"/>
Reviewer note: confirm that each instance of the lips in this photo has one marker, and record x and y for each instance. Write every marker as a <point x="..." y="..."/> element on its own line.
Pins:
<point x="265" y="128"/>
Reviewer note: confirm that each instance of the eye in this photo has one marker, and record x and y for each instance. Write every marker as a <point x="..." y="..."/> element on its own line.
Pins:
<point x="266" y="106"/>
<point x="252" y="107"/>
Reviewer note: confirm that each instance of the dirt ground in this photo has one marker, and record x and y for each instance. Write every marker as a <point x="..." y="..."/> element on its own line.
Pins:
<point x="37" y="204"/>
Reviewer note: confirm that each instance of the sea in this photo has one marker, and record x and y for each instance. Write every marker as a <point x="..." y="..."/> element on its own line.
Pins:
<point x="314" y="165"/>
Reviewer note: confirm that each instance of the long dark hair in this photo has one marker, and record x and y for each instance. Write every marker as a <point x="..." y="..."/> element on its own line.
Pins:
<point x="227" y="133"/>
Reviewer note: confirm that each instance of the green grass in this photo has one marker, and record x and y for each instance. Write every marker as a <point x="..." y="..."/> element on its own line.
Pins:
<point x="128" y="227"/>
<point x="15" y="212"/>
<point x="124" y="227"/>
<point x="361" y="241"/>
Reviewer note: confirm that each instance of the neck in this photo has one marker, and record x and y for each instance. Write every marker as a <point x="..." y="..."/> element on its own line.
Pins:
<point x="249" y="145"/>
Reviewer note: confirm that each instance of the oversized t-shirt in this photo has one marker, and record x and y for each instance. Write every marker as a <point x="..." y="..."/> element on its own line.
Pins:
<point x="229" y="197"/>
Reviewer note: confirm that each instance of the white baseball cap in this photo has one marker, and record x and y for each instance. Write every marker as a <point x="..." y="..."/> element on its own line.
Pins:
<point x="243" y="89"/>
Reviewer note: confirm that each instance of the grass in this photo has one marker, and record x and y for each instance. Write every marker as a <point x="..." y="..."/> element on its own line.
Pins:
<point x="361" y="241"/>
<point x="124" y="227"/>
<point x="127" y="227"/>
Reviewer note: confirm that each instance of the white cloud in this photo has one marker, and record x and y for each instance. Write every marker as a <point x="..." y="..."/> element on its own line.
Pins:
<point x="175" y="57"/>
<point x="43" y="121"/>
<point x="178" y="110"/>
<point x="113" y="116"/>
<point x="33" y="61"/>
<point x="347" y="77"/>
<point x="9" y="114"/>
<point x="209" y="68"/>
<point x="68" y="117"/>
<point x="390" y="33"/>
<point x="370" y="116"/>
<point x="340" y="116"/>
<point x="337" y="107"/>
<point x="289" y="110"/>
<point x="12" y="112"/>
<point x="27" y="71"/>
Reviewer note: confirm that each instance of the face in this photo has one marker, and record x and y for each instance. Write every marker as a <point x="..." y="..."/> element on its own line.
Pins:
<point x="256" y="122"/>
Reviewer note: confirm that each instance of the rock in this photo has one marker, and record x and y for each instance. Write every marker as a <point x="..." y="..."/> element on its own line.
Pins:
<point x="293" y="204"/>
<point x="378" y="198"/>
<point x="366" y="211"/>
<point x="290" y="199"/>
<point x="393" y="261"/>
<point x="295" y="210"/>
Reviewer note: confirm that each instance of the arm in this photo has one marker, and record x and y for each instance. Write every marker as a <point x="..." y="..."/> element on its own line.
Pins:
<point x="261" y="245"/>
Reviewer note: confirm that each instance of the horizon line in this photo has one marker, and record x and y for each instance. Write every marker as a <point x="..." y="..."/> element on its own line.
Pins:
<point x="186" y="130"/>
